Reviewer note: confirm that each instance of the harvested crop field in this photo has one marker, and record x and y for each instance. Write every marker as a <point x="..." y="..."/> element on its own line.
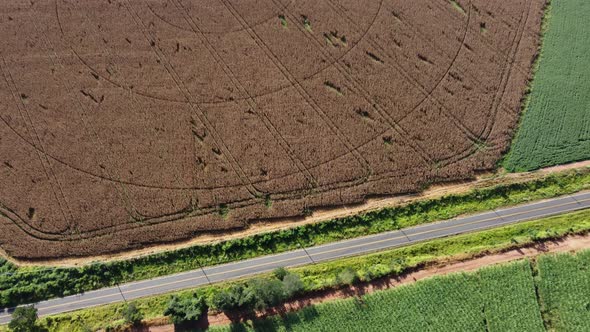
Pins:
<point x="126" y="123"/>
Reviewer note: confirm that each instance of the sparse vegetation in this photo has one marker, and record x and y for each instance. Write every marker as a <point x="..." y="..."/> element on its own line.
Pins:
<point x="334" y="39"/>
<point x="267" y="201"/>
<point x="307" y="212"/>
<point x="363" y="113"/>
<point x="458" y="7"/>
<point x="283" y="21"/>
<point x="328" y="39"/>
<point x="483" y="27"/>
<point x="224" y="211"/>
<point x="306" y="23"/>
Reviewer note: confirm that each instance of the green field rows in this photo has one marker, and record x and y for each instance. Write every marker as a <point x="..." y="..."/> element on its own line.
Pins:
<point x="493" y="299"/>
<point x="498" y="298"/>
<point x="555" y="128"/>
<point x="564" y="288"/>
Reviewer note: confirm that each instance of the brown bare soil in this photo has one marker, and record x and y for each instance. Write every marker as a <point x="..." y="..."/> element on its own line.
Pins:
<point x="568" y="244"/>
<point x="125" y="123"/>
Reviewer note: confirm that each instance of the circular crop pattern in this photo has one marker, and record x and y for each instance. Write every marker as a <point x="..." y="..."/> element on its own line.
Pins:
<point x="130" y="122"/>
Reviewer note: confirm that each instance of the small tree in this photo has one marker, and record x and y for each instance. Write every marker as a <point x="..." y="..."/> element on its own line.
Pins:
<point x="398" y="265"/>
<point x="235" y="297"/>
<point x="185" y="310"/>
<point x="24" y="319"/>
<point x="292" y="284"/>
<point x="132" y="315"/>
<point x="266" y="292"/>
<point x="223" y="301"/>
<point x="280" y="273"/>
<point x="347" y="276"/>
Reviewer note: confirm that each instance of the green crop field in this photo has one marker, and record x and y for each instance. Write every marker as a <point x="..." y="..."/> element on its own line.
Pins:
<point x="493" y="299"/>
<point x="564" y="289"/>
<point x="551" y="293"/>
<point x="555" y="128"/>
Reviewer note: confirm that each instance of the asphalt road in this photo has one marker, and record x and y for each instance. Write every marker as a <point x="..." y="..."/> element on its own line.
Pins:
<point x="321" y="253"/>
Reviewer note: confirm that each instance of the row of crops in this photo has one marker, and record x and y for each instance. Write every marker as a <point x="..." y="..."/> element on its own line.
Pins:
<point x="555" y="127"/>
<point x="499" y="298"/>
<point x="564" y="285"/>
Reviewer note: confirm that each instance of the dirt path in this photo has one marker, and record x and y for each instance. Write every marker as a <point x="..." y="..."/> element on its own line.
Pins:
<point x="320" y="215"/>
<point x="569" y="244"/>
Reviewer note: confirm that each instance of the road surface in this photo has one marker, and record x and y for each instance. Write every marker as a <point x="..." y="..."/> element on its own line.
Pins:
<point x="356" y="246"/>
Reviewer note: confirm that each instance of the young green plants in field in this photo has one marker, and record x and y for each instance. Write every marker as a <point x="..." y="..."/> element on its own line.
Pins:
<point x="306" y="23"/>
<point x="283" y="21"/>
<point x="458" y="7"/>
<point x="493" y="299"/>
<point x="549" y="294"/>
<point x="564" y="290"/>
<point x="555" y="126"/>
